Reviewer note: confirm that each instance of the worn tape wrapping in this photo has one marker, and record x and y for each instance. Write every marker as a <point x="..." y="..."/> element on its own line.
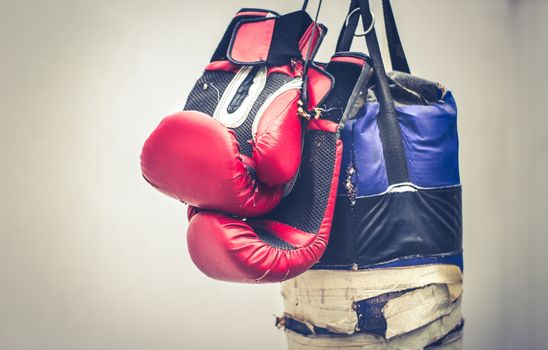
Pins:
<point x="425" y="308"/>
<point x="418" y="339"/>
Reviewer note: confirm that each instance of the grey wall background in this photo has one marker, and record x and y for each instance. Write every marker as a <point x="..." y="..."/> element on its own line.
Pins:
<point x="91" y="257"/>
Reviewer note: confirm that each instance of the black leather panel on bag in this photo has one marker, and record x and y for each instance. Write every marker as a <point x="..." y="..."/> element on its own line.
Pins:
<point x="395" y="225"/>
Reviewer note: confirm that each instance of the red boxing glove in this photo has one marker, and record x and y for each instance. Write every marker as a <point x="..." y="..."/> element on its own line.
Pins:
<point x="239" y="139"/>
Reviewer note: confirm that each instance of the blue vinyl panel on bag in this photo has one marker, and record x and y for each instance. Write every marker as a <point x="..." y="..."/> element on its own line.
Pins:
<point x="430" y="142"/>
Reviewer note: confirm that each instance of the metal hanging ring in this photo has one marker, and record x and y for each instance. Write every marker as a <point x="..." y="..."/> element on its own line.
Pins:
<point x="371" y="26"/>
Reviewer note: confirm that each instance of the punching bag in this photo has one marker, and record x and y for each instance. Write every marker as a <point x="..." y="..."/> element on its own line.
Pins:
<point x="391" y="277"/>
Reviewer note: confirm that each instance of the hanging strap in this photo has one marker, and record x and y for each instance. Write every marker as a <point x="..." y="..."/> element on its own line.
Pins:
<point x="303" y="110"/>
<point x="397" y="55"/>
<point x="348" y="29"/>
<point x="387" y="119"/>
<point x="395" y="47"/>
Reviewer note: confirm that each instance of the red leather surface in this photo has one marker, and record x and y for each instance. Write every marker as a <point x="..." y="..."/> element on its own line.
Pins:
<point x="228" y="249"/>
<point x="194" y="158"/>
<point x="284" y="232"/>
<point x="277" y="143"/>
<point x="293" y="70"/>
<point x="315" y="31"/>
<point x="350" y="59"/>
<point x="252" y="13"/>
<point x="319" y="85"/>
<point x="322" y="124"/>
<point x="252" y="41"/>
<point x="225" y="66"/>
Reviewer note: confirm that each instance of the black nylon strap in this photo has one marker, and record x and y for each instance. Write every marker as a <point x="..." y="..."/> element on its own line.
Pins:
<point x="387" y="119"/>
<point x="397" y="55"/>
<point x="348" y="29"/>
<point x="395" y="47"/>
<point x="308" y="59"/>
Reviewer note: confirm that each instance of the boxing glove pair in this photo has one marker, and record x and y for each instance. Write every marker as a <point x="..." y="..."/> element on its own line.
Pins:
<point x="260" y="180"/>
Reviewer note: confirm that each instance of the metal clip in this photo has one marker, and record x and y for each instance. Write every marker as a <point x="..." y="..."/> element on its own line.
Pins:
<point x="371" y="25"/>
